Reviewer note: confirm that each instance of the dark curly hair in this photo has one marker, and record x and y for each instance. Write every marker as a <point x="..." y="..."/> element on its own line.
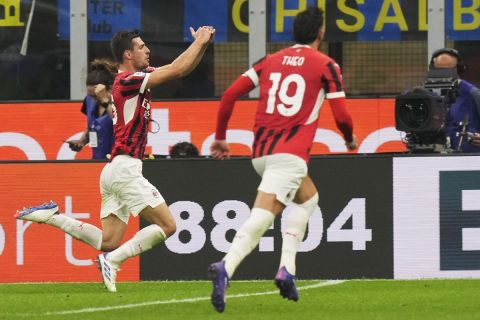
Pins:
<point x="307" y="24"/>
<point x="183" y="150"/>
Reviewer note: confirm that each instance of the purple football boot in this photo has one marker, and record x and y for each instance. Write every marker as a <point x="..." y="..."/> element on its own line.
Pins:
<point x="219" y="277"/>
<point x="286" y="283"/>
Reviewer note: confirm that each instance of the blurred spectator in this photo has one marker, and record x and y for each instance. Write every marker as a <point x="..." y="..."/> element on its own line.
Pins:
<point x="183" y="150"/>
<point x="97" y="106"/>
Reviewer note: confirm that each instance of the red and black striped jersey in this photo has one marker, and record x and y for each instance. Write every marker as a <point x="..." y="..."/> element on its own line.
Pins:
<point x="293" y="85"/>
<point x="131" y="113"/>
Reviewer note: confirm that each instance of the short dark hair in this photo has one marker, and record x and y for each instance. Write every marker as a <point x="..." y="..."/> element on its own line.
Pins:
<point x="307" y="24"/>
<point x="122" y="41"/>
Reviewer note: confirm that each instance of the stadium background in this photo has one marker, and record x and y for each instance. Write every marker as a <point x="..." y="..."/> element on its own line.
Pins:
<point x="382" y="49"/>
<point x="380" y="45"/>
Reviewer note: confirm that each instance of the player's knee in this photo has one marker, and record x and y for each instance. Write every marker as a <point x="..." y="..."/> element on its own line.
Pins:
<point x="311" y="204"/>
<point x="109" y="245"/>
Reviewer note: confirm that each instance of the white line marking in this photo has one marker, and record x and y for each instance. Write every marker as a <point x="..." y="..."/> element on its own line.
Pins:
<point x="186" y="300"/>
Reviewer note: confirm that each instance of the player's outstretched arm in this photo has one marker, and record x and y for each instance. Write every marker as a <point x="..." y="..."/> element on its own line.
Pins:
<point x="187" y="61"/>
<point x="241" y="86"/>
<point x="344" y="122"/>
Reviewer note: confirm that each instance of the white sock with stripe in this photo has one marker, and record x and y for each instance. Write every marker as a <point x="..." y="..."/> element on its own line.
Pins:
<point x="296" y="225"/>
<point x="80" y="230"/>
<point x="247" y="238"/>
<point x="142" y="241"/>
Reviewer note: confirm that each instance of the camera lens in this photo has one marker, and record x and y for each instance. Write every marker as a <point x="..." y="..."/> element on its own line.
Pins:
<point x="414" y="114"/>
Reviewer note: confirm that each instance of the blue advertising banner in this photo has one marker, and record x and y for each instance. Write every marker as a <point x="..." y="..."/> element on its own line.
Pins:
<point x="365" y="20"/>
<point x="462" y="19"/>
<point x="346" y="20"/>
<point x="381" y="22"/>
<point x="105" y="18"/>
<point x="206" y="13"/>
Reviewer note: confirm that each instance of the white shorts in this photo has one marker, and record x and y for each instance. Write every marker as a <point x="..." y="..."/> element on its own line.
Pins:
<point x="281" y="174"/>
<point x="124" y="189"/>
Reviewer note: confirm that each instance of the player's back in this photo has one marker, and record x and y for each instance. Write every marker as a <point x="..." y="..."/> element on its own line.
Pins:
<point x="291" y="81"/>
<point x="293" y="85"/>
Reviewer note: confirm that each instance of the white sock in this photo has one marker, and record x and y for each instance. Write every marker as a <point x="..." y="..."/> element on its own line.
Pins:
<point x="247" y="238"/>
<point x="142" y="241"/>
<point x="296" y="225"/>
<point x="80" y="230"/>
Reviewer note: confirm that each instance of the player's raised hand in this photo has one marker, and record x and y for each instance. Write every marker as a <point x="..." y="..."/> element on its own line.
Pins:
<point x="204" y="34"/>
<point x="220" y="150"/>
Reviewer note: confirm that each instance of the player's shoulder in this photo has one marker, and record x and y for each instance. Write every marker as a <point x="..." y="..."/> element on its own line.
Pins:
<point x="133" y="75"/>
<point x="261" y="60"/>
<point x="322" y="57"/>
<point x="127" y="78"/>
<point x="149" y="69"/>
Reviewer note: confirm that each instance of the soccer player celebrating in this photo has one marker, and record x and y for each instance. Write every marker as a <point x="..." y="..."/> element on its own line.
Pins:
<point x="293" y="84"/>
<point x="124" y="189"/>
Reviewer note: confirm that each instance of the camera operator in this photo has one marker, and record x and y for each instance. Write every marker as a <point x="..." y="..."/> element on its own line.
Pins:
<point x="464" y="114"/>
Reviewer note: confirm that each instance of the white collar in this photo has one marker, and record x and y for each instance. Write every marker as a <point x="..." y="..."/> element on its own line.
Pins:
<point x="297" y="45"/>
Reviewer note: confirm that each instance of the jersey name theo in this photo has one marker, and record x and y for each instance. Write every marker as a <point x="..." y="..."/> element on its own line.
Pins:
<point x="294" y="61"/>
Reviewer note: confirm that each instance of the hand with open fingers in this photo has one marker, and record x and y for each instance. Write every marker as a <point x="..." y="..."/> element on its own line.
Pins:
<point x="203" y="34"/>
<point x="352" y="145"/>
<point x="475" y="139"/>
<point x="219" y="150"/>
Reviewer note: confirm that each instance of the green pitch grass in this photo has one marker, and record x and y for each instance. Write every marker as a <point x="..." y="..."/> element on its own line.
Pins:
<point x="357" y="299"/>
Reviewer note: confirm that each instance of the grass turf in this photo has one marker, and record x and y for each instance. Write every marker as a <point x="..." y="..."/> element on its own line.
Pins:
<point x="357" y="299"/>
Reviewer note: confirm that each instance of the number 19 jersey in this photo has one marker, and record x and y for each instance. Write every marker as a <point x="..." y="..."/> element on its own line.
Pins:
<point x="293" y="85"/>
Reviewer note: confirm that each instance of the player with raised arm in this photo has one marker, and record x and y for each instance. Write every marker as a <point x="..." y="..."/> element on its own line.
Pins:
<point x="123" y="188"/>
<point x="293" y="85"/>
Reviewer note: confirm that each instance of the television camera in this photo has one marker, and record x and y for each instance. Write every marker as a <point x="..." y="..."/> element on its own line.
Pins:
<point x="422" y="113"/>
